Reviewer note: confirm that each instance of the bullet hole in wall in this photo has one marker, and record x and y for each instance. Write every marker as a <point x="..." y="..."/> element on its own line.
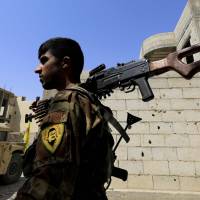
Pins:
<point x="153" y="115"/>
<point x="174" y="179"/>
<point x="149" y="141"/>
<point x="142" y="154"/>
<point x="158" y="127"/>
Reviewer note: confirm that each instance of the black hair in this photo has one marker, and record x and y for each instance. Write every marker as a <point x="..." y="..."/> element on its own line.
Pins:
<point x="61" y="47"/>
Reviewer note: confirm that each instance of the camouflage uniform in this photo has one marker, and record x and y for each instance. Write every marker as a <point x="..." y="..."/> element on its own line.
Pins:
<point x="71" y="161"/>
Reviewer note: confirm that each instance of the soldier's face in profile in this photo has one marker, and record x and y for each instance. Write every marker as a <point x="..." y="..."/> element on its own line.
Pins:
<point x="50" y="71"/>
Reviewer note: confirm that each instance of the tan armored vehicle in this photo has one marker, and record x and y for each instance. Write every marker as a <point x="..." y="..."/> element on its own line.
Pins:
<point x="11" y="142"/>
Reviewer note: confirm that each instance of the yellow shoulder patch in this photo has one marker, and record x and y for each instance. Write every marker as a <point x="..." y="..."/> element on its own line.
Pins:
<point x="52" y="136"/>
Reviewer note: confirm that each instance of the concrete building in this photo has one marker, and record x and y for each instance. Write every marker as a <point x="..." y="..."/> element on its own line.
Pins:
<point x="162" y="157"/>
<point x="18" y="122"/>
<point x="186" y="33"/>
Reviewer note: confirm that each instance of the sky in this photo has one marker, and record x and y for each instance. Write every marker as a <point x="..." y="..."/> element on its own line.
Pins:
<point x="109" y="32"/>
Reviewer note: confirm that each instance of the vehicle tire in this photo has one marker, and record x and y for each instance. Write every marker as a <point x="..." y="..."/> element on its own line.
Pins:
<point x="14" y="170"/>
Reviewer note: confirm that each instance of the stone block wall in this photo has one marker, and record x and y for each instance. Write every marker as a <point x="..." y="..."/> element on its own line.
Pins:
<point x="163" y="152"/>
<point x="164" y="155"/>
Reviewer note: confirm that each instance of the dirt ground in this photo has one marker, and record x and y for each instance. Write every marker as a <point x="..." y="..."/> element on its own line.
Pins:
<point x="7" y="191"/>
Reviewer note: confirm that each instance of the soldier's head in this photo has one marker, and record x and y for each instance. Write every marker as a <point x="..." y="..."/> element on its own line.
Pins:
<point x="61" y="63"/>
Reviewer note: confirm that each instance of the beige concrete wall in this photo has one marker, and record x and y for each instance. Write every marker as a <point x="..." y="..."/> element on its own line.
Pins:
<point x="162" y="44"/>
<point x="188" y="24"/>
<point x="188" y="27"/>
<point x="24" y="109"/>
<point x="164" y="146"/>
<point x="169" y="134"/>
<point x="18" y="124"/>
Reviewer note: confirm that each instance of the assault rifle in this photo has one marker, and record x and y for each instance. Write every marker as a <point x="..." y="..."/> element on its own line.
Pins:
<point x="126" y="76"/>
<point x="101" y="82"/>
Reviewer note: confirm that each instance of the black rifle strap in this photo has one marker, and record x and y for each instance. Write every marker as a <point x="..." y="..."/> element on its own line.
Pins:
<point x="108" y="116"/>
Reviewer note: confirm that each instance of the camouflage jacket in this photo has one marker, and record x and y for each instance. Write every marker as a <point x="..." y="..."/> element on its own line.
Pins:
<point x="71" y="150"/>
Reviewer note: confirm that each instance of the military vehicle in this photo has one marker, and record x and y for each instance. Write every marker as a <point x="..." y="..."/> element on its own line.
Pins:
<point x="11" y="142"/>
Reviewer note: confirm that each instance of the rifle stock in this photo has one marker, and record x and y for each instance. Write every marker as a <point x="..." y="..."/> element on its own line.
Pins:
<point x="174" y="62"/>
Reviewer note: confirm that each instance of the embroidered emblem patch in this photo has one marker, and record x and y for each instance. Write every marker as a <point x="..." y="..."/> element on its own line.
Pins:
<point x="52" y="136"/>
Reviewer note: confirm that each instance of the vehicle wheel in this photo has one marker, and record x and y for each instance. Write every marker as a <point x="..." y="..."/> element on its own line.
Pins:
<point x="14" y="170"/>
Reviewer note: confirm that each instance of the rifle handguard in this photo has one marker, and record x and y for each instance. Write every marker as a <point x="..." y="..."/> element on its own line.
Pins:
<point x="120" y="173"/>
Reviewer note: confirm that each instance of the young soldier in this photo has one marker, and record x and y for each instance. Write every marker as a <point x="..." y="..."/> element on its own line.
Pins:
<point x="72" y="152"/>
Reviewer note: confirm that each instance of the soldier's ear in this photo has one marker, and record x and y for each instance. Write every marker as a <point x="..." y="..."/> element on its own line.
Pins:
<point x="65" y="62"/>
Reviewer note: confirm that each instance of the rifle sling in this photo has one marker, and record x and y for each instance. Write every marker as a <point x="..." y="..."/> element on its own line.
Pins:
<point x="108" y="116"/>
